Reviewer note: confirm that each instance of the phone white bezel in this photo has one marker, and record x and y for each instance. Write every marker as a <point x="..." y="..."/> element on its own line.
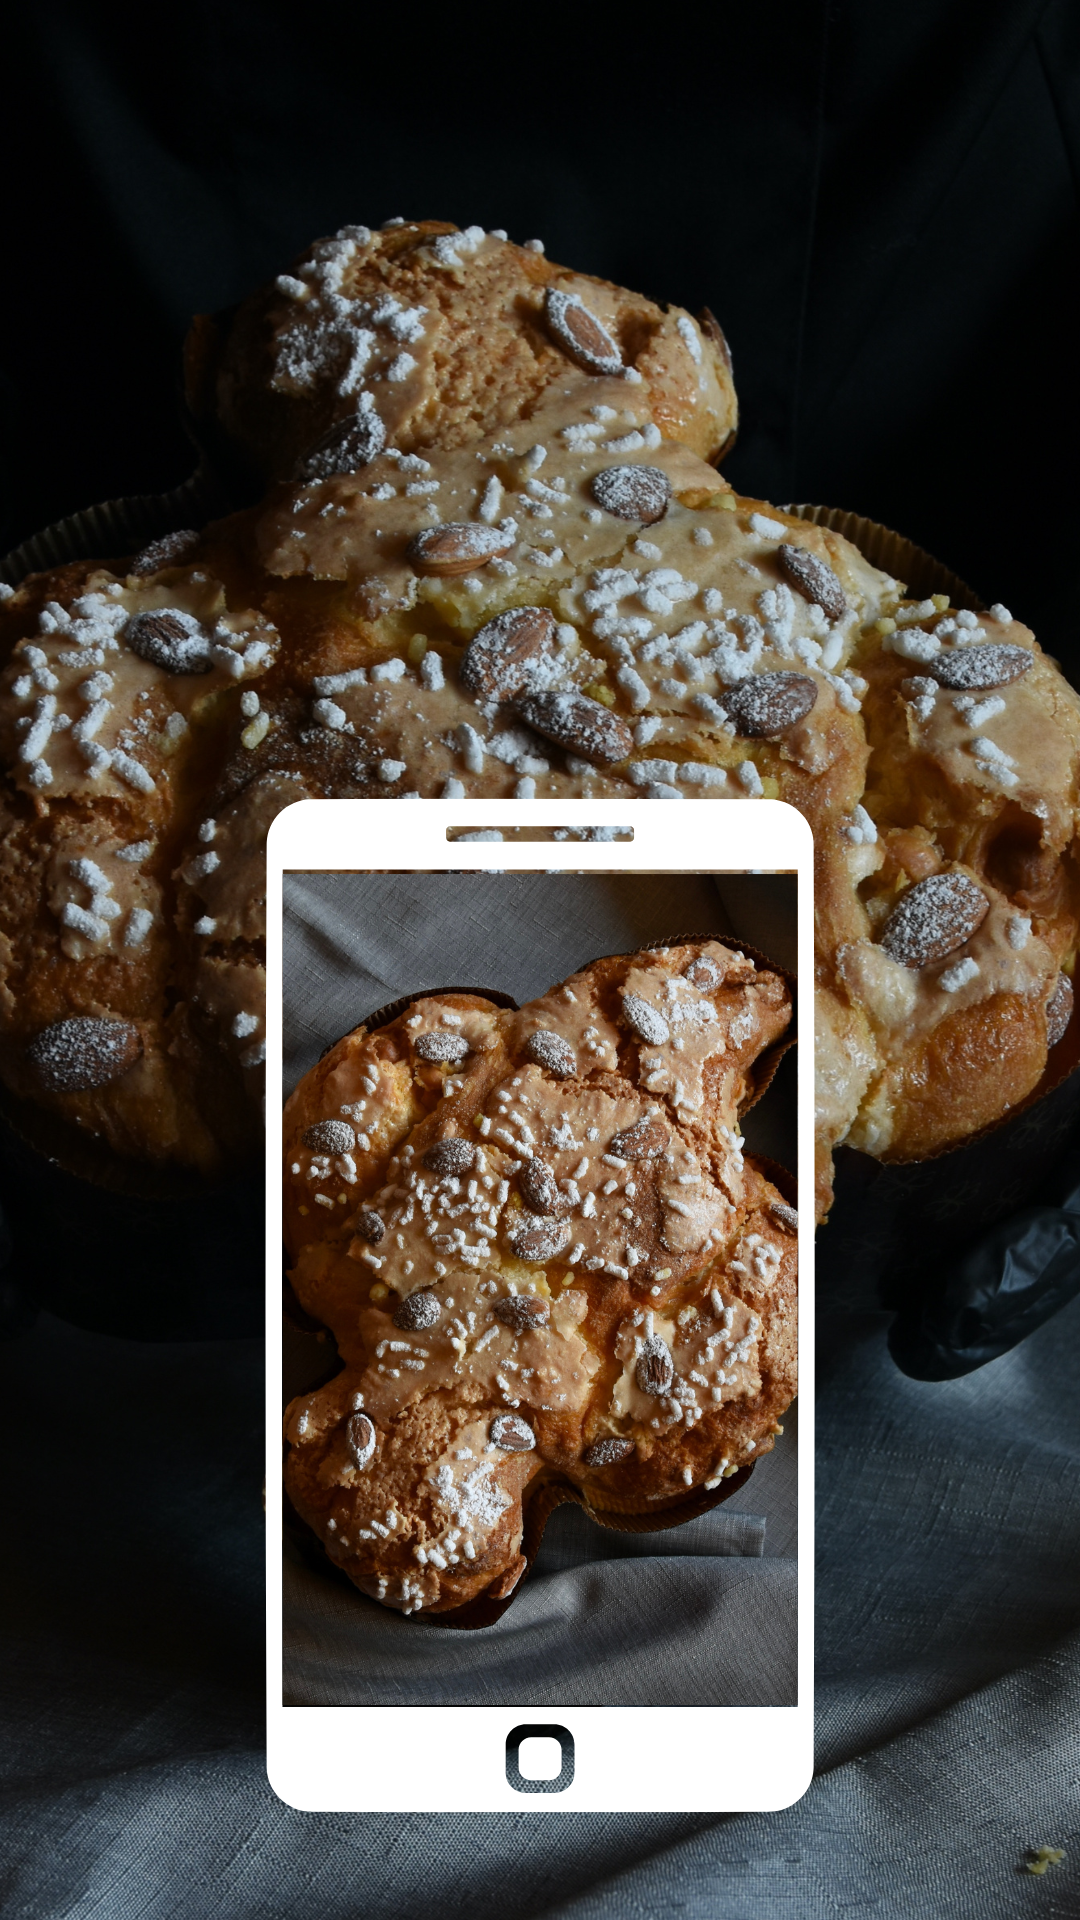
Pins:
<point x="352" y="1759"/>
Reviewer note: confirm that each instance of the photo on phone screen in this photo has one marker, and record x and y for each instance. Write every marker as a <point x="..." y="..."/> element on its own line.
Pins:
<point x="542" y="1510"/>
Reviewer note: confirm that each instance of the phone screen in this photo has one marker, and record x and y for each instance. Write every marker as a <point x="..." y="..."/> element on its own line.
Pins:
<point x="543" y="1531"/>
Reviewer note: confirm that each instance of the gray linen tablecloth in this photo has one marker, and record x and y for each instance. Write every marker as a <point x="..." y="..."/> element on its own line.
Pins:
<point x="948" y="1653"/>
<point x="706" y="1612"/>
<point x="948" y="1659"/>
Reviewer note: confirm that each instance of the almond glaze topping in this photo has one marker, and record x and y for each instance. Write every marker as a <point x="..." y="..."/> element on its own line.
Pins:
<point x="171" y="640"/>
<point x="632" y="493"/>
<point x="512" y="1434"/>
<point x="360" y="1439"/>
<point x="522" y="1312"/>
<point x="170" y="551"/>
<point x="458" y="547"/>
<point x="330" y="1136"/>
<point x="1059" y="1009"/>
<point x="369" y="1226"/>
<point x="579" y="333"/>
<point x="440" y="1046"/>
<point x="933" y="918"/>
<point x="973" y="668"/>
<point x="643" y="1141"/>
<point x="539" y="1189"/>
<point x="418" y="1310"/>
<point x="552" y="1052"/>
<point x="498" y="660"/>
<point x="343" y="448"/>
<point x="814" y="579"/>
<point x="74" y="1055"/>
<point x="607" y="1452"/>
<point x="578" y="724"/>
<point x="534" y="1238"/>
<point x="766" y="705"/>
<point x="655" y="1369"/>
<point x="452" y="1155"/>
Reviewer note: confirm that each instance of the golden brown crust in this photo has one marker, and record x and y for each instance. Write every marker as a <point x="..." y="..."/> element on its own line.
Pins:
<point x="710" y="646"/>
<point x="475" y="326"/>
<point x="974" y="755"/>
<point x="220" y="772"/>
<point x="610" y="1224"/>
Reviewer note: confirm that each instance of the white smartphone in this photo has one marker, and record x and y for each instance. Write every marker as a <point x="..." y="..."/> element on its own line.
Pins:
<point x="635" y="1656"/>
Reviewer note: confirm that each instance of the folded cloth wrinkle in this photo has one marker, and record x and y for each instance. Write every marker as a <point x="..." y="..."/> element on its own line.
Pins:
<point x="675" y="1630"/>
<point x="571" y="1539"/>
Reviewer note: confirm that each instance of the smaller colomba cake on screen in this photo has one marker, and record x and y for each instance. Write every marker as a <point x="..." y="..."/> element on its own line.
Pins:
<point x="542" y="1254"/>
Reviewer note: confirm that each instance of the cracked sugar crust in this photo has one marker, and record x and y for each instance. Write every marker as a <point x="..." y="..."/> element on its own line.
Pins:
<point x="439" y="336"/>
<point x="512" y="1370"/>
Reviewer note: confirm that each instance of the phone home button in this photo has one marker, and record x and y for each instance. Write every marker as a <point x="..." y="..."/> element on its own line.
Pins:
<point x="539" y="1759"/>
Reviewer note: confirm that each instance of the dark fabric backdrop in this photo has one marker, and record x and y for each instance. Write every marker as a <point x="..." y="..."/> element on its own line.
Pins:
<point x="880" y="204"/>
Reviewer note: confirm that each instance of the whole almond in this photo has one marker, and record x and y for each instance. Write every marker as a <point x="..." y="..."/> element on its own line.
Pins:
<point x="552" y="1052"/>
<point x="539" y="1188"/>
<point x="974" y="668"/>
<point x="608" y="1451"/>
<point x="452" y="1155"/>
<point x="418" y="1310"/>
<point x="578" y="724"/>
<point x="171" y="639"/>
<point x="632" y="492"/>
<point x="498" y="660"/>
<point x="330" y="1136"/>
<point x="1059" y="1009"/>
<point x="170" y="551"/>
<point x="536" y="1238"/>
<point x="655" y="1369"/>
<point x="814" y="579"/>
<point x="512" y="1434"/>
<point x="458" y="547"/>
<point x="360" y="1439"/>
<point x="644" y="1020"/>
<point x="933" y="918"/>
<point x="765" y="705"/>
<point x="522" y="1311"/>
<point x="440" y="1046"/>
<point x="74" y="1055"/>
<point x="643" y="1141"/>
<point x="785" y="1216"/>
<point x="579" y="333"/>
